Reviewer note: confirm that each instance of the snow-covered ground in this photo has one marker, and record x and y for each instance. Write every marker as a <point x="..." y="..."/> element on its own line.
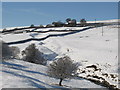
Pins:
<point x="89" y="47"/>
<point x="62" y="28"/>
<point x="104" y="21"/>
<point x="20" y="74"/>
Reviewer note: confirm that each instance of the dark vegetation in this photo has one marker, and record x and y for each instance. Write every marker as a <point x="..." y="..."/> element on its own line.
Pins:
<point x="69" y="23"/>
<point x="63" y="68"/>
<point x="30" y="54"/>
<point x="9" y="52"/>
<point x="100" y="80"/>
<point x="33" y="55"/>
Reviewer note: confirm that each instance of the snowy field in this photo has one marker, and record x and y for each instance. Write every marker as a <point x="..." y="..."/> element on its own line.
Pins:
<point x="20" y="74"/>
<point x="96" y="46"/>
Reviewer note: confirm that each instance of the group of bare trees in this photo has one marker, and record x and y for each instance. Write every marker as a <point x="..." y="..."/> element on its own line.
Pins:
<point x="30" y="54"/>
<point x="62" y="68"/>
<point x="69" y="23"/>
<point x="73" y="22"/>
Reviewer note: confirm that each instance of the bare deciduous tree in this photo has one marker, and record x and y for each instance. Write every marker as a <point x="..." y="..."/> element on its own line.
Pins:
<point x="62" y="69"/>
<point x="33" y="55"/>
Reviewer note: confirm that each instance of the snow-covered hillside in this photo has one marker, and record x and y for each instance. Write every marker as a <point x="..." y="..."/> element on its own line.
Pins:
<point x="96" y="46"/>
<point x="105" y="21"/>
<point x="20" y="74"/>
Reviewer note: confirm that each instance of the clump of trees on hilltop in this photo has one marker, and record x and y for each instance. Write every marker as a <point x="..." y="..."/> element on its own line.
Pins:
<point x="68" y="23"/>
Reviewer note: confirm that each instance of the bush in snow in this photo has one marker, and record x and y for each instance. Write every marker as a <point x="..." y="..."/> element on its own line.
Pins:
<point x="71" y="22"/>
<point x="50" y="25"/>
<point x="4" y="29"/>
<point x="41" y="26"/>
<point x="6" y="51"/>
<point x="9" y="52"/>
<point x="62" y="68"/>
<point x="68" y="19"/>
<point x="32" y="25"/>
<point x="83" y="22"/>
<point x="33" y="55"/>
<point x="58" y="24"/>
<point x="15" y="52"/>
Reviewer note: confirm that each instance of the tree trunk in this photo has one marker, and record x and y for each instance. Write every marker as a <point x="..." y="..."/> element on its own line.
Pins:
<point x="60" y="83"/>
